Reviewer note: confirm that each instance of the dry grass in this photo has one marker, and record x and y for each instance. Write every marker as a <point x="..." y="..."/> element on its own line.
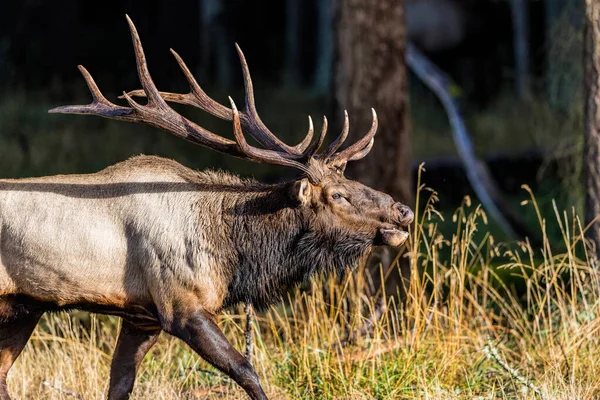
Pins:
<point x="463" y="333"/>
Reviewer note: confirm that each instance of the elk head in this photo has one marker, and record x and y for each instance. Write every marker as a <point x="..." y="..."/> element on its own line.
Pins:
<point x="347" y="206"/>
<point x="344" y="205"/>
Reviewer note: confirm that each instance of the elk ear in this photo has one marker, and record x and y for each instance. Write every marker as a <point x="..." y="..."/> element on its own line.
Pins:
<point x="301" y="191"/>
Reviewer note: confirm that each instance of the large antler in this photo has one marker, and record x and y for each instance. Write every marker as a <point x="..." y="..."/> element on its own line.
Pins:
<point x="249" y="117"/>
<point x="159" y="114"/>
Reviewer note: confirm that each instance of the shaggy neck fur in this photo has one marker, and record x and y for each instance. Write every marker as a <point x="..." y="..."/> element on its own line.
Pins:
<point x="280" y="244"/>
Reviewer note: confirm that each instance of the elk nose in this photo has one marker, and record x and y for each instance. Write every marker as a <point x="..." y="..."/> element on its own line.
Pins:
<point x="405" y="214"/>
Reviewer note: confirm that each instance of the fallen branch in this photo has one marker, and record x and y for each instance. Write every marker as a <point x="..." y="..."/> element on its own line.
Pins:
<point x="491" y="352"/>
<point x="477" y="171"/>
<point x="62" y="390"/>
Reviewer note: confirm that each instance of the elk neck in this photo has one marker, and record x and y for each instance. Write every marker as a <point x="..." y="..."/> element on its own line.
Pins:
<point x="279" y="244"/>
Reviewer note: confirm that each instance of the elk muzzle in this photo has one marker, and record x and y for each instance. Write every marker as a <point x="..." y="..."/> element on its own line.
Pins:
<point x="393" y="235"/>
<point x="404" y="215"/>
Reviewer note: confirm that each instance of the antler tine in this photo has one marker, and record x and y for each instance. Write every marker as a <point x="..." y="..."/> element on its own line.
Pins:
<point x="305" y="143"/>
<point x="249" y="105"/>
<point x="148" y="85"/>
<point x="335" y="145"/>
<point x="196" y="97"/>
<point x="203" y="100"/>
<point x="99" y="105"/>
<point x="264" y="155"/>
<point x="360" y="147"/>
<point x="255" y="125"/>
<point x="97" y="95"/>
<point x="362" y="153"/>
<point x="312" y="149"/>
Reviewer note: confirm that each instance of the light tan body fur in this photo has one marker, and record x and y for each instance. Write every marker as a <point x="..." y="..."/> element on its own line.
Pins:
<point x="111" y="238"/>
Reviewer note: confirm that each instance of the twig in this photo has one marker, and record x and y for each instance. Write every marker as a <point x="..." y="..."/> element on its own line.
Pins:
<point x="491" y="352"/>
<point x="248" y="332"/>
<point x="367" y="326"/>
<point x="217" y="374"/>
<point x="380" y="309"/>
<point x="59" y="388"/>
<point x="568" y="369"/>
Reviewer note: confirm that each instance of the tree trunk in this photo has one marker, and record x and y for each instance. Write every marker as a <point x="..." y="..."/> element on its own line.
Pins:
<point x="564" y="45"/>
<point x="370" y="71"/>
<point x="592" y="119"/>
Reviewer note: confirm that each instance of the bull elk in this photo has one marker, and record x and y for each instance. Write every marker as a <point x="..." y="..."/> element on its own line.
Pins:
<point x="166" y="248"/>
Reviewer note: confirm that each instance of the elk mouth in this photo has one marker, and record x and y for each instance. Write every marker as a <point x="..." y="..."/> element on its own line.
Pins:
<point x="391" y="236"/>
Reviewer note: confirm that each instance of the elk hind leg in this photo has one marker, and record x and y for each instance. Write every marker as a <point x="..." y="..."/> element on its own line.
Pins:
<point x="202" y="334"/>
<point x="132" y="345"/>
<point x="16" y="325"/>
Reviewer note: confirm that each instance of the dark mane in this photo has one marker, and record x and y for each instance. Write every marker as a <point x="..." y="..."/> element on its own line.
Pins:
<point x="280" y="246"/>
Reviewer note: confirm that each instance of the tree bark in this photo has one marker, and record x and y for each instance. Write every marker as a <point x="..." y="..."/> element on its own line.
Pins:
<point x="563" y="76"/>
<point x="592" y="120"/>
<point x="370" y="71"/>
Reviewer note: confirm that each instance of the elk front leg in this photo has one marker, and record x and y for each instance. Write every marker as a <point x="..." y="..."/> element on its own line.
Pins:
<point x="14" y="334"/>
<point x="132" y="345"/>
<point x="202" y="334"/>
